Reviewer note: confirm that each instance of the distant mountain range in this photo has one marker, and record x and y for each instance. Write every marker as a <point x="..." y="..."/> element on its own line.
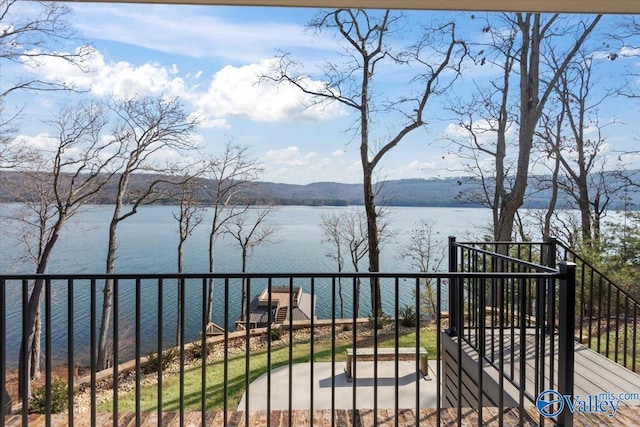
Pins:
<point x="446" y="192"/>
<point x="404" y="192"/>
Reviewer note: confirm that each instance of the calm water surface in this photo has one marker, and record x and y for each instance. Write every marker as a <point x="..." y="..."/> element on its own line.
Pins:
<point x="148" y="244"/>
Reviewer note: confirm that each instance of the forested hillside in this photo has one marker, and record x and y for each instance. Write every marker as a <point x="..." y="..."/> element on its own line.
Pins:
<point x="454" y="192"/>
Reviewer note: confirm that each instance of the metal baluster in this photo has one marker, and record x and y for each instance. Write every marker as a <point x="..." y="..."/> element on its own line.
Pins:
<point x="159" y="344"/>
<point x="204" y="353"/>
<point x="116" y="322"/>
<point x="137" y="349"/>
<point x="48" y="367"/>
<point x="182" y="291"/>
<point x="92" y="322"/>
<point x="70" y="361"/>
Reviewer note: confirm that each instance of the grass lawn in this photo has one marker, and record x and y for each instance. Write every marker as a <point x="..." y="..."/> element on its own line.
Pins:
<point x="623" y="341"/>
<point x="236" y="374"/>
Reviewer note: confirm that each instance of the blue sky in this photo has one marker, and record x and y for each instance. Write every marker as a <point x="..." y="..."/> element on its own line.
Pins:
<point x="210" y="57"/>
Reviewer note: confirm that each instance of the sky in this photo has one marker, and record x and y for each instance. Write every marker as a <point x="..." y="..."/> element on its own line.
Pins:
<point x="210" y="57"/>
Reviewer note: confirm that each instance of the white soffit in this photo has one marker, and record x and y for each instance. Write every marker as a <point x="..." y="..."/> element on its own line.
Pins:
<point x="575" y="6"/>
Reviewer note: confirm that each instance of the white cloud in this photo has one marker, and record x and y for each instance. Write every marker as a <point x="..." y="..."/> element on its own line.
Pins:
<point x="42" y="142"/>
<point x="485" y="132"/>
<point x="290" y="156"/>
<point x="233" y="92"/>
<point x="239" y="91"/>
<point x="121" y="79"/>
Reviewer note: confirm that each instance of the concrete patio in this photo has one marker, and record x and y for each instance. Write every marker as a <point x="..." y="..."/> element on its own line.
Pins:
<point x="322" y="387"/>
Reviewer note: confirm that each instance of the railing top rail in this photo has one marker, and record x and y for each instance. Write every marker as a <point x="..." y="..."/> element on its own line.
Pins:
<point x="362" y="275"/>
<point x="531" y="265"/>
<point x="559" y="245"/>
<point x="503" y="243"/>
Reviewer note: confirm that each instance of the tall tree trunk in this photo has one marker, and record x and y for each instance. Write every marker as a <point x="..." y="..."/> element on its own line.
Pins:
<point x="243" y="300"/>
<point x="212" y="257"/>
<point x="180" y="302"/>
<point x="369" y="194"/>
<point x="546" y="229"/>
<point x="501" y="152"/>
<point x="531" y="106"/>
<point x="373" y="242"/>
<point x="30" y="365"/>
<point x="30" y="345"/>
<point x="107" y="302"/>
<point x="585" y="215"/>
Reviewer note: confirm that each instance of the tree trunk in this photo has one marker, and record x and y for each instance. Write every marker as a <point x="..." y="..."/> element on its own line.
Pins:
<point x="36" y="347"/>
<point x="30" y="344"/>
<point x="180" y="302"/>
<point x="374" y="249"/>
<point x="102" y="356"/>
<point x="243" y="302"/>
<point x="340" y="297"/>
<point x="29" y="337"/>
<point x="585" y="208"/>
<point x="212" y="239"/>
<point x="546" y="229"/>
<point x="356" y="294"/>
<point x="529" y="63"/>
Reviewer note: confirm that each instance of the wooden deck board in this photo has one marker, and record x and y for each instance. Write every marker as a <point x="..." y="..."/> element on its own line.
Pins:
<point x="427" y="417"/>
<point x="594" y="373"/>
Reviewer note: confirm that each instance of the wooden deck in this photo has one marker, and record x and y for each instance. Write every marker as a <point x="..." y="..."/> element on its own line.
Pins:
<point x="343" y="418"/>
<point x="594" y="373"/>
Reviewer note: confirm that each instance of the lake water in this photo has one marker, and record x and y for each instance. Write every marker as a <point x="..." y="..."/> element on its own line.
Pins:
<point x="148" y="244"/>
<point x="148" y="241"/>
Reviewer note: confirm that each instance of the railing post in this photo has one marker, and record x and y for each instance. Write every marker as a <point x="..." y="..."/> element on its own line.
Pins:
<point x="551" y="260"/>
<point x="552" y="247"/>
<point x="453" y="288"/>
<point x="5" y="399"/>
<point x="566" y="347"/>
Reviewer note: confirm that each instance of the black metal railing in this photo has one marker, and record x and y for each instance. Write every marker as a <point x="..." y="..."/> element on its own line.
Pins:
<point x="506" y="320"/>
<point x="607" y="316"/>
<point x="151" y="372"/>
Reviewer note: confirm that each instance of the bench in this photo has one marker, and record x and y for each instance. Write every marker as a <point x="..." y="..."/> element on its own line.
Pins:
<point x="403" y="353"/>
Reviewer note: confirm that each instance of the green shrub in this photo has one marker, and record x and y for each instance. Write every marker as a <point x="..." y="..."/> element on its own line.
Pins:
<point x="196" y="349"/>
<point x="38" y="401"/>
<point x="275" y="334"/>
<point x="408" y="316"/>
<point x="382" y="321"/>
<point x="151" y="364"/>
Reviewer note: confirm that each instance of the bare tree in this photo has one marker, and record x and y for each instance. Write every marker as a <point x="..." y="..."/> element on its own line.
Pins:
<point x="366" y="34"/>
<point x="189" y="217"/>
<point x="519" y="45"/>
<point x="30" y="38"/>
<point x="575" y="138"/>
<point x="425" y="252"/>
<point x="144" y="128"/>
<point x="250" y="230"/>
<point x="348" y="229"/>
<point x="627" y="34"/>
<point x="331" y="228"/>
<point x="228" y="176"/>
<point x="353" y="231"/>
<point x="53" y="189"/>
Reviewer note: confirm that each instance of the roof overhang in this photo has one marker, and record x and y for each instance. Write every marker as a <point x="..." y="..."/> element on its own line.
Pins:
<point x="572" y="6"/>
